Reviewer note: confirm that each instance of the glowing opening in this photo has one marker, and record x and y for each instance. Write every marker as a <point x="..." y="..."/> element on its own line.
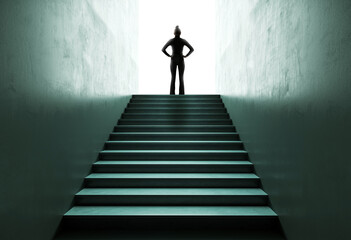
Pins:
<point x="157" y="20"/>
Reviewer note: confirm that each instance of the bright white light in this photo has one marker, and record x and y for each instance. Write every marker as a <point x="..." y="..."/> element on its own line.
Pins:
<point x="157" y="20"/>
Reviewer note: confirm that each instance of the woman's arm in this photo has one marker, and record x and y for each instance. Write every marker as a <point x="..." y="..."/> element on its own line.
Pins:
<point x="166" y="46"/>
<point x="191" y="49"/>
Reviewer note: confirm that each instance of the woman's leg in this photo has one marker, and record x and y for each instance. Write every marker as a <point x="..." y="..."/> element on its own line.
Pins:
<point x="173" y="72"/>
<point x="181" y="68"/>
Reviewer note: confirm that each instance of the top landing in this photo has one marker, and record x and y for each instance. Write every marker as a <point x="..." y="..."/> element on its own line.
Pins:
<point x="175" y="96"/>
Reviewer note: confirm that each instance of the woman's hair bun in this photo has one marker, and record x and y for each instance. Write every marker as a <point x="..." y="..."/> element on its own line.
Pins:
<point x="177" y="30"/>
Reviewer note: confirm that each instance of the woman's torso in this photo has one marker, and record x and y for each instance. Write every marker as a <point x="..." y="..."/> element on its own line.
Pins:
<point x="177" y="47"/>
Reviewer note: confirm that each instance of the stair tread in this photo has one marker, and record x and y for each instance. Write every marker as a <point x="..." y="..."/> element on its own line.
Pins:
<point x="186" y="114"/>
<point x="173" y="151"/>
<point x="176" y="99"/>
<point x="172" y="125"/>
<point x="173" y="133"/>
<point x="175" y="108"/>
<point x="174" y="191"/>
<point x="165" y="102"/>
<point x="173" y="142"/>
<point x="174" y="162"/>
<point x="235" y="211"/>
<point x="168" y="105"/>
<point x="175" y="96"/>
<point x="173" y="119"/>
<point x="173" y="175"/>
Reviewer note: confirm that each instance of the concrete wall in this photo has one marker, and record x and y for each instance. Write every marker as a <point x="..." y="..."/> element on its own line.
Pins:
<point x="284" y="70"/>
<point x="66" y="70"/>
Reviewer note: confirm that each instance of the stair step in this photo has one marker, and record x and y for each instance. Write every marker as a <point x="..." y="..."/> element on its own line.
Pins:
<point x="171" y="217"/>
<point x="239" y="211"/>
<point x="175" y="110"/>
<point x="175" y="122"/>
<point x="172" y="136"/>
<point x="171" y="196"/>
<point x="173" y="154"/>
<point x="172" y="162"/>
<point x="211" y="96"/>
<point x="172" y="166"/>
<point x="174" y="128"/>
<point x="107" y="180"/>
<point x="172" y="175"/>
<point x="175" y="116"/>
<point x="176" y="100"/>
<point x="175" y="105"/>
<point x="174" y="145"/>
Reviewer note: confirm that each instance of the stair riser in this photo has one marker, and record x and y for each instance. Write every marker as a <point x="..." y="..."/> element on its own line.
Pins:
<point x="174" y="137"/>
<point x="164" y="182"/>
<point x="180" y="128"/>
<point x="171" y="169"/>
<point x="173" y="156"/>
<point x="175" y="116"/>
<point x="176" y="110"/>
<point x="175" y="105"/>
<point x="164" y="200"/>
<point x="173" y="146"/>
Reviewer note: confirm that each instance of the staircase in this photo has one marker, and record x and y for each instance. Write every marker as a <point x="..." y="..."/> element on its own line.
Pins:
<point x="172" y="162"/>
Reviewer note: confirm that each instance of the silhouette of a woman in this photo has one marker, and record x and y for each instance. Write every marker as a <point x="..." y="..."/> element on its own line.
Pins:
<point x="177" y="59"/>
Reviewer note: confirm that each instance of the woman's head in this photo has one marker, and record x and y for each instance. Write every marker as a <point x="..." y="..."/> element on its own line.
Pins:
<point x="177" y="31"/>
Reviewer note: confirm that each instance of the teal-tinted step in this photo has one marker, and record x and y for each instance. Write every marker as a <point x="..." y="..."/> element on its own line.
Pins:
<point x="212" y="96"/>
<point x="175" y="116"/>
<point x="172" y="175"/>
<point x="175" y="110"/>
<point x="175" y="122"/>
<point x="174" y="128"/>
<point x="176" y="100"/>
<point x="171" y="196"/>
<point x="174" y="136"/>
<point x="172" y="166"/>
<point x="107" y="180"/>
<point x="174" y="145"/>
<point x="242" y="211"/>
<point x="175" y="105"/>
<point x="173" y="155"/>
<point x="172" y="192"/>
<point x="163" y="218"/>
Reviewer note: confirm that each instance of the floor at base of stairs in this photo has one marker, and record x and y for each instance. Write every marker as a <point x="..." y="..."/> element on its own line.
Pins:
<point x="170" y="235"/>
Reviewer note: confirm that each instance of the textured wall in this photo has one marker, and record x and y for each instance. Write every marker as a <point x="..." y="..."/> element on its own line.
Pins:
<point x="66" y="70"/>
<point x="284" y="70"/>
